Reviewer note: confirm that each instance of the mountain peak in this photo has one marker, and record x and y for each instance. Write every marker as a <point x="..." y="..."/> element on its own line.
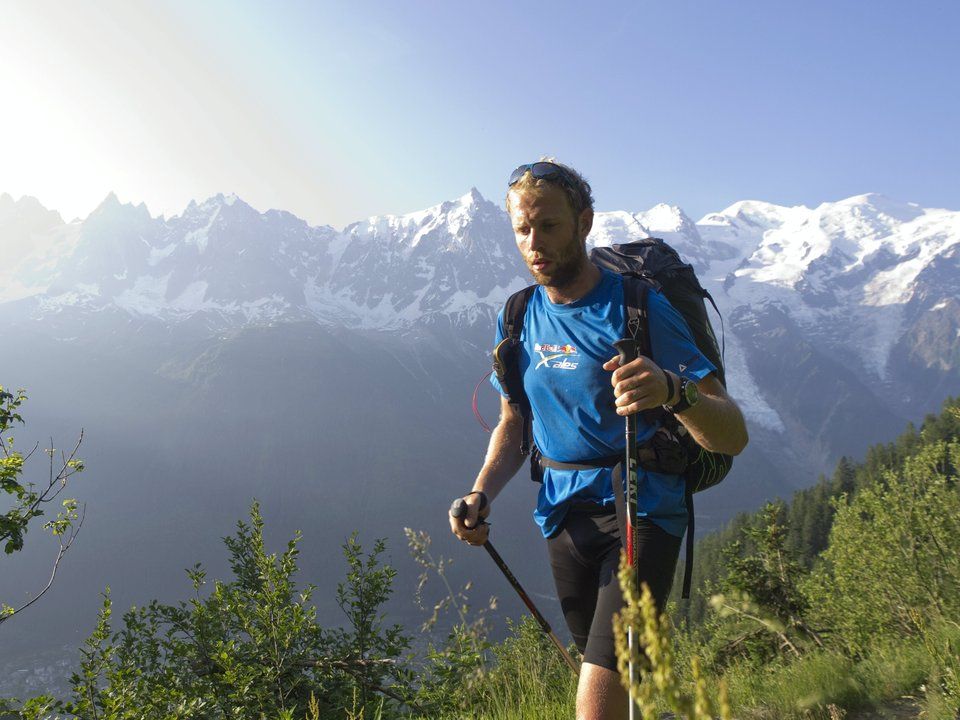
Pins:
<point x="665" y="218"/>
<point x="26" y="204"/>
<point x="221" y="200"/>
<point x="473" y="197"/>
<point x="762" y="215"/>
<point x="27" y="212"/>
<point x="111" y="206"/>
<point x="879" y="204"/>
<point x="110" y="200"/>
<point x="230" y="199"/>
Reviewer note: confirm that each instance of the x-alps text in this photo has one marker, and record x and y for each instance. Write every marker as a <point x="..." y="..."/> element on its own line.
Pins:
<point x="558" y="357"/>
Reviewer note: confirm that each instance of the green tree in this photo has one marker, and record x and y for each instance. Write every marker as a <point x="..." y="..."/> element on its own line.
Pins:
<point x="369" y="647"/>
<point x="249" y="648"/>
<point x="27" y="501"/>
<point x="762" y="611"/>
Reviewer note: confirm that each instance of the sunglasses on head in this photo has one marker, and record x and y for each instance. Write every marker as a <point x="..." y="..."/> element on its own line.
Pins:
<point x="541" y="171"/>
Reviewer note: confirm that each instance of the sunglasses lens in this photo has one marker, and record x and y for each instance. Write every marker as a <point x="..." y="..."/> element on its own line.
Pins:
<point x="539" y="170"/>
<point x="545" y="170"/>
<point x="518" y="173"/>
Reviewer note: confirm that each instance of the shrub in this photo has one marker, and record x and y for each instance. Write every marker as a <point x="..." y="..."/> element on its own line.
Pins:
<point x="893" y="552"/>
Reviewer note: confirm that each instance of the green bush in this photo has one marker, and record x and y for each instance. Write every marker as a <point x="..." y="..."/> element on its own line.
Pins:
<point x="893" y="552"/>
<point x="942" y="686"/>
<point x="249" y="648"/>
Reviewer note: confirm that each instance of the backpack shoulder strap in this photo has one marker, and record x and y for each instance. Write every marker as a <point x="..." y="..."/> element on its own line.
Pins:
<point x="514" y="312"/>
<point x="506" y="361"/>
<point x="636" y="290"/>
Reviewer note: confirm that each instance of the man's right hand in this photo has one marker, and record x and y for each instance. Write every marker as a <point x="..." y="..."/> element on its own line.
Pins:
<point x="469" y="527"/>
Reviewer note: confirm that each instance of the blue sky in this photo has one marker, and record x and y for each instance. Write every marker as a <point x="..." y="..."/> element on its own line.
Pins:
<point x="337" y="111"/>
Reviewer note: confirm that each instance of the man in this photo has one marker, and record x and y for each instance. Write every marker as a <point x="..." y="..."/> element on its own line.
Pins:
<point x="579" y="397"/>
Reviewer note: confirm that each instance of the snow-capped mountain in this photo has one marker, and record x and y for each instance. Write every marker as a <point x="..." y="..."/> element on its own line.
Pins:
<point x="867" y="285"/>
<point x="855" y="275"/>
<point x="222" y="255"/>
<point x="392" y="271"/>
<point x="225" y="260"/>
<point x="220" y="258"/>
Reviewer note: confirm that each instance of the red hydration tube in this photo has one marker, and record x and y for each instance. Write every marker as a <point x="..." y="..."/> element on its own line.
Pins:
<point x="476" y="407"/>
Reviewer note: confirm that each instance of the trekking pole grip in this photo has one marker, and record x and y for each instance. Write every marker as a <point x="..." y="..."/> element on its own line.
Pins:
<point x="627" y="347"/>
<point x="459" y="508"/>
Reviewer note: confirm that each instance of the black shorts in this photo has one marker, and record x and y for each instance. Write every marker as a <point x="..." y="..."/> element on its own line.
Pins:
<point x="585" y="557"/>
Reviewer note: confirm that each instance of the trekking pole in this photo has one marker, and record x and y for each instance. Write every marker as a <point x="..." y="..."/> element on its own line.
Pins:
<point x="628" y="352"/>
<point x="458" y="510"/>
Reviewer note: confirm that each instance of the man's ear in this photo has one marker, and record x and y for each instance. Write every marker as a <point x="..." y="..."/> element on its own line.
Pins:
<point x="585" y="223"/>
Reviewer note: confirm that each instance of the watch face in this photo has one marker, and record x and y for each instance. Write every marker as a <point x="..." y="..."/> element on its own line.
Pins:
<point x="691" y="393"/>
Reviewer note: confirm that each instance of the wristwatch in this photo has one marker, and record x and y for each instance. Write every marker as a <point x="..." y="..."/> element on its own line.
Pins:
<point x="689" y="396"/>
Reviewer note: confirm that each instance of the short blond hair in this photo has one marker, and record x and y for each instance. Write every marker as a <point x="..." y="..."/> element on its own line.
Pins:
<point x="576" y="188"/>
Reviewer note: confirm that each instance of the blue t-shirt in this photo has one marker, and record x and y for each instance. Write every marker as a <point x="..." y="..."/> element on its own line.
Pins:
<point x="563" y="349"/>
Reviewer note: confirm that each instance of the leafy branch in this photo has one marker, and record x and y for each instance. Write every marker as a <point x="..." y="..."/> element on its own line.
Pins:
<point x="29" y="501"/>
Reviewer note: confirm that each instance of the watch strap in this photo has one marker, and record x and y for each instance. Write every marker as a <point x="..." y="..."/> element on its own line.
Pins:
<point x="669" y="378"/>
<point x="681" y="404"/>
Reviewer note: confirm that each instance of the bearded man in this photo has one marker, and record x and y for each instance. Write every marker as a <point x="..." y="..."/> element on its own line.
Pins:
<point x="578" y="408"/>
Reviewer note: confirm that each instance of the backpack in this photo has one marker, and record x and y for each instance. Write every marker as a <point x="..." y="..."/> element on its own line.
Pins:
<point x="647" y="264"/>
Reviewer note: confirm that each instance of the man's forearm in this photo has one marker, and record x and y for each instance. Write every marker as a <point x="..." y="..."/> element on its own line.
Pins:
<point x="503" y="458"/>
<point x="717" y="424"/>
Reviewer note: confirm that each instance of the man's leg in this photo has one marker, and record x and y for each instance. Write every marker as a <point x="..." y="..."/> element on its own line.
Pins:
<point x="575" y="575"/>
<point x="583" y="558"/>
<point x="600" y="696"/>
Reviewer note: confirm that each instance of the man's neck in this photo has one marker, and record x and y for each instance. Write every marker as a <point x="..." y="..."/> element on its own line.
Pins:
<point x="585" y="281"/>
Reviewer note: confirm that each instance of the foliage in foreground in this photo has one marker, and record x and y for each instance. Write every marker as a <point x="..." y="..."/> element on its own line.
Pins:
<point x="876" y="616"/>
<point x="809" y="515"/>
<point x="250" y="647"/>
<point x="25" y="502"/>
<point x="651" y="655"/>
<point x="884" y="596"/>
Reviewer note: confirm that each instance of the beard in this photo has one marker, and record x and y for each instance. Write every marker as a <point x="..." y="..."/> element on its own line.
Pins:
<point x="566" y="264"/>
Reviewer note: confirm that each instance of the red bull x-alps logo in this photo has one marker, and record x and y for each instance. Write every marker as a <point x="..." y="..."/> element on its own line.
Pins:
<point x="558" y="357"/>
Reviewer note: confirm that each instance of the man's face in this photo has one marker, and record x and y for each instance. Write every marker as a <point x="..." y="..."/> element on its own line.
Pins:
<point x="549" y="236"/>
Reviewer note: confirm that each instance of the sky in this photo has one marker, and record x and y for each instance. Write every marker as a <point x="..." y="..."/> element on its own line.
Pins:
<point x="339" y="111"/>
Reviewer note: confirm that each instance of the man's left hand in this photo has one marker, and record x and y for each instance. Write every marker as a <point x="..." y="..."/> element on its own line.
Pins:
<point x="639" y="385"/>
